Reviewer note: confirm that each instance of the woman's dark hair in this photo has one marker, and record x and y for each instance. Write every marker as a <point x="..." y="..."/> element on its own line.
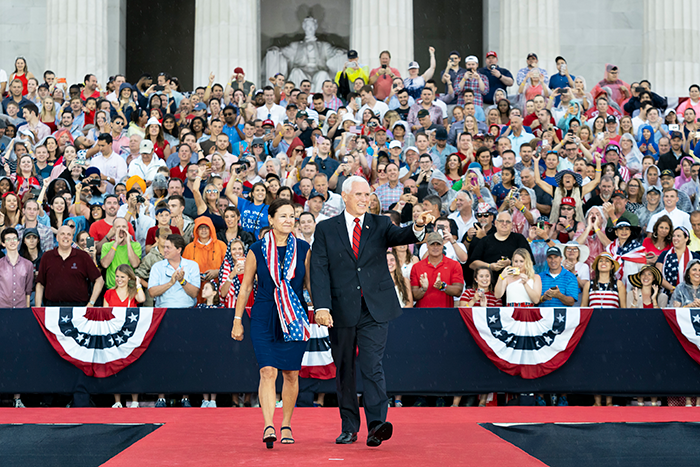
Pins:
<point x="479" y="152"/>
<point x="277" y="204"/>
<point x="285" y="188"/>
<point x="176" y="130"/>
<point x="447" y="163"/>
<point x="24" y="251"/>
<point x="255" y="185"/>
<point x="204" y="124"/>
<point x="177" y="241"/>
<point x="476" y="273"/>
<point x="92" y="216"/>
<point x="655" y="231"/>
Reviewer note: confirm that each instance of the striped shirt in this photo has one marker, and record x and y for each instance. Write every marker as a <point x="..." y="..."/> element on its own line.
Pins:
<point x="605" y="295"/>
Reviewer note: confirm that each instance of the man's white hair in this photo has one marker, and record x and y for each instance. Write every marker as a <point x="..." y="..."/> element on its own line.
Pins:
<point x="348" y="183"/>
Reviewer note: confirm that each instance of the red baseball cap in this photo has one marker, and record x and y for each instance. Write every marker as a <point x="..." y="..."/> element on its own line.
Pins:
<point x="239" y="71"/>
<point x="268" y="122"/>
<point x="491" y="54"/>
<point x="569" y="201"/>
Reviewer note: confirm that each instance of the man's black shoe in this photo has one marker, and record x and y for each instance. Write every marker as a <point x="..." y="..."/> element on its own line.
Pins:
<point x="380" y="432"/>
<point x="346" y="437"/>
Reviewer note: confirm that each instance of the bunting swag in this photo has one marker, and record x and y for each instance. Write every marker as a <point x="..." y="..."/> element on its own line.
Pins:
<point x="99" y="341"/>
<point x="318" y="360"/>
<point x="685" y="323"/>
<point x="527" y="342"/>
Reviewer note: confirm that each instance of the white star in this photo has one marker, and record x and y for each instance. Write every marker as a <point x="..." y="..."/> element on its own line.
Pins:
<point x="509" y="339"/>
<point x="696" y="319"/>
<point x="87" y="341"/>
<point x="80" y="338"/>
<point x="111" y="341"/>
<point x="497" y="333"/>
<point x="493" y="319"/>
<point x="132" y="317"/>
<point x="127" y="333"/>
<point x="548" y="339"/>
<point x="120" y="339"/>
<point x="560" y="318"/>
<point x="538" y="344"/>
<point x="65" y="319"/>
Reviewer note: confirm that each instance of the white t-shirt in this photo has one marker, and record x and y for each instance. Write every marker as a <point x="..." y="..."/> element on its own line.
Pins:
<point x="3" y="76"/>
<point x="277" y="113"/>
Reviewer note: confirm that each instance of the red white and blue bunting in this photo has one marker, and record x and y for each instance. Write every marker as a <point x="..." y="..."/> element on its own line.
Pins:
<point x="527" y="342"/>
<point x="685" y="323"/>
<point x="99" y="341"/>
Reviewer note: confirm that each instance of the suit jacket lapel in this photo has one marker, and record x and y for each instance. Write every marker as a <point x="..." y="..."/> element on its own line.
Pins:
<point x="366" y="231"/>
<point x="343" y="234"/>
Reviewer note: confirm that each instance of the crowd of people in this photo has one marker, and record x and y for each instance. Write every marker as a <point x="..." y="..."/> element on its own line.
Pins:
<point x="545" y="191"/>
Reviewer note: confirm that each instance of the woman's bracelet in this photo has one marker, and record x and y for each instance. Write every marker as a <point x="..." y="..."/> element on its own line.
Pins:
<point x="522" y="209"/>
<point x="182" y="282"/>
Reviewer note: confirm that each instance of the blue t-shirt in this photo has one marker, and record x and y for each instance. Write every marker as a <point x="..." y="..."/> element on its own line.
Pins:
<point x="233" y="137"/>
<point x="253" y="218"/>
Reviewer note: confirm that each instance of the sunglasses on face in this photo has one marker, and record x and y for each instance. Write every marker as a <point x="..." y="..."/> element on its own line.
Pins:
<point x="480" y="216"/>
<point x="211" y="191"/>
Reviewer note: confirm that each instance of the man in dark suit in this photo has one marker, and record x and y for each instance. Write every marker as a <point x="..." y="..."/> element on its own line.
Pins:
<point x="353" y="294"/>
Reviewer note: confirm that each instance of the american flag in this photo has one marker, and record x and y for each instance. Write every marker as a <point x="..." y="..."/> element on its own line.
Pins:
<point x="293" y="318"/>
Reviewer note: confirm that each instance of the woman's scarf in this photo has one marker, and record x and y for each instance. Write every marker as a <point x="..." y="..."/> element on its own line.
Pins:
<point x="631" y="251"/>
<point x="293" y="317"/>
<point x="650" y="142"/>
<point x="682" y="264"/>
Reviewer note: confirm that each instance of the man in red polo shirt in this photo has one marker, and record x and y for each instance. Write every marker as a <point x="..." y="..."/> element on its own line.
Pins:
<point x="71" y="271"/>
<point x="436" y="280"/>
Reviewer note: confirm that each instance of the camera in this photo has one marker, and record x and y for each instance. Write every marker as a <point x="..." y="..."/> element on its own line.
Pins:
<point x="492" y="67"/>
<point x="540" y="225"/>
<point x="345" y="160"/>
<point x="384" y="66"/>
<point x="406" y="190"/>
<point x="140" y="199"/>
<point x="639" y="89"/>
<point x="95" y="182"/>
<point x="159" y="88"/>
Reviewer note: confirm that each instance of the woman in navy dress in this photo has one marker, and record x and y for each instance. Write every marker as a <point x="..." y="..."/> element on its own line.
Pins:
<point x="279" y="324"/>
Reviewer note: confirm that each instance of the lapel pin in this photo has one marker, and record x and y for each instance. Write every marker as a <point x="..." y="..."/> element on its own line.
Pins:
<point x="367" y="227"/>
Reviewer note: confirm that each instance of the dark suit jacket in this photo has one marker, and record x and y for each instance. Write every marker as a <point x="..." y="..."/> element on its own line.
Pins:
<point x="339" y="281"/>
<point x="670" y="162"/>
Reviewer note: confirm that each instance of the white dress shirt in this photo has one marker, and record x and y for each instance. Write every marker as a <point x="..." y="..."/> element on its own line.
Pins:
<point x="113" y="166"/>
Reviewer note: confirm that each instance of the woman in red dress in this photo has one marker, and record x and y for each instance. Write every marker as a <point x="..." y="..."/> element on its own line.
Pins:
<point x="128" y="291"/>
<point x="21" y="73"/>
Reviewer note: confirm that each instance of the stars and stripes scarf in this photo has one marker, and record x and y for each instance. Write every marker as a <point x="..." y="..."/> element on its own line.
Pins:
<point x="631" y="251"/>
<point x="293" y="317"/>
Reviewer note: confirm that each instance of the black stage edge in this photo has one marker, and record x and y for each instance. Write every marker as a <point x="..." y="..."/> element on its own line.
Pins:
<point x="81" y="445"/>
<point x="429" y="351"/>
<point x="606" y="444"/>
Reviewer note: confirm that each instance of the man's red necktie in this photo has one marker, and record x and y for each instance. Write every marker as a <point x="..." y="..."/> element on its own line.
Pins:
<point x="356" y="238"/>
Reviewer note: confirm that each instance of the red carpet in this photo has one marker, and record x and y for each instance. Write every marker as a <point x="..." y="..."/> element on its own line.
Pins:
<point x="422" y="436"/>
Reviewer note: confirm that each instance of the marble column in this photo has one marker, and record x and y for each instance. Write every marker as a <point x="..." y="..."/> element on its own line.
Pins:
<point x="671" y="45"/>
<point x="76" y="39"/>
<point x="226" y="36"/>
<point x="528" y="26"/>
<point x="385" y="25"/>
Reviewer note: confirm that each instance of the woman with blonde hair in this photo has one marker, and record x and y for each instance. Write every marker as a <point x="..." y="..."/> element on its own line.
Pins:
<point x="518" y="282"/>
<point x="47" y="116"/>
<point x="375" y="206"/>
<point x="580" y="93"/>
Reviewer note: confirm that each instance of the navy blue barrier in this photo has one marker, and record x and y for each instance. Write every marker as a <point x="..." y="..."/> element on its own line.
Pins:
<point x="430" y="351"/>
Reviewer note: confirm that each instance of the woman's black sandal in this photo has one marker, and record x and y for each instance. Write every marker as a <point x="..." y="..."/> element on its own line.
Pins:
<point x="270" y="439"/>
<point x="289" y="440"/>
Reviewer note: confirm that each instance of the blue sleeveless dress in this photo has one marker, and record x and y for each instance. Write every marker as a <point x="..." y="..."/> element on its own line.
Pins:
<point x="265" y="329"/>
